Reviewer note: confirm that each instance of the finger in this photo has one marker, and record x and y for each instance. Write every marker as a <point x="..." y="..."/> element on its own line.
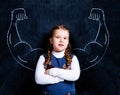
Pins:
<point x="90" y="17"/>
<point x="93" y="16"/>
<point x="22" y="16"/>
<point x="97" y="16"/>
<point x="18" y="17"/>
<point x="26" y="17"/>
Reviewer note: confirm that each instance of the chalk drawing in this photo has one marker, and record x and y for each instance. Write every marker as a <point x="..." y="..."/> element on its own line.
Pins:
<point x="14" y="45"/>
<point x="98" y="15"/>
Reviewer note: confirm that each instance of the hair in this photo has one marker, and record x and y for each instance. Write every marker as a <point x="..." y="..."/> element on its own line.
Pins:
<point x="50" y="48"/>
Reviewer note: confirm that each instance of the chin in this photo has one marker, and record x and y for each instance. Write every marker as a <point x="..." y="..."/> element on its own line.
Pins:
<point x="59" y="50"/>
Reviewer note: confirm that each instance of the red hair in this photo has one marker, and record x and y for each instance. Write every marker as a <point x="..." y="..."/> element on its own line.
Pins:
<point x="50" y="48"/>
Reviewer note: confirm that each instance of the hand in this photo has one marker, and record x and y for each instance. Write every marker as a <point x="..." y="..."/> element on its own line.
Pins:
<point x="18" y="14"/>
<point x="47" y="71"/>
<point x="97" y="15"/>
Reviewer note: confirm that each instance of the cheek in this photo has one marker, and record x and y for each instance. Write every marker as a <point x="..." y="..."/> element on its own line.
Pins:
<point x="54" y="42"/>
<point x="67" y="42"/>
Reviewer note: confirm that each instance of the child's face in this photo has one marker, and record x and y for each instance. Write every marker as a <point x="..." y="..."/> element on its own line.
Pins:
<point x="60" y="40"/>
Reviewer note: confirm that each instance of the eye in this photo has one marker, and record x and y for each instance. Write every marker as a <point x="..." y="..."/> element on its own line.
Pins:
<point x="65" y="38"/>
<point x="57" y="37"/>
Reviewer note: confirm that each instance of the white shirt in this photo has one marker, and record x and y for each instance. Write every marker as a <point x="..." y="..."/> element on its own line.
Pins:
<point x="56" y="74"/>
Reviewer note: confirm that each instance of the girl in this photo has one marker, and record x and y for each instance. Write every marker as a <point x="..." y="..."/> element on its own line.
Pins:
<point x="57" y="70"/>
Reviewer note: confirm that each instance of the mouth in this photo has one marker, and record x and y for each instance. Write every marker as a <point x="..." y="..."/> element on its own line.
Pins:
<point x="60" y="44"/>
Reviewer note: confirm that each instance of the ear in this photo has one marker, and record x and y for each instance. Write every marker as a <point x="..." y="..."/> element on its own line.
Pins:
<point x="51" y="41"/>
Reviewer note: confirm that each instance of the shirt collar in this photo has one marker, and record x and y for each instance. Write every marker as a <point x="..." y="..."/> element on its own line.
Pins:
<point x="58" y="54"/>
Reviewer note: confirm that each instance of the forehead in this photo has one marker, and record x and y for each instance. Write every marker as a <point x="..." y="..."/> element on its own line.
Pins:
<point x="61" y="32"/>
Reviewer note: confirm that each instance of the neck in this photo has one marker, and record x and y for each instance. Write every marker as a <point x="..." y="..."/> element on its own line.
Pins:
<point x="58" y="54"/>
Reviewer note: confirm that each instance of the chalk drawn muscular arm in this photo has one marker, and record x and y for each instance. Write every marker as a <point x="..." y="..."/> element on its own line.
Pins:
<point x="97" y="47"/>
<point x="13" y="35"/>
<point x="19" y="49"/>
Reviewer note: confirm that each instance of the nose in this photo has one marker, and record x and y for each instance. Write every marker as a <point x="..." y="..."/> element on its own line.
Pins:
<point x="61" y="39"/>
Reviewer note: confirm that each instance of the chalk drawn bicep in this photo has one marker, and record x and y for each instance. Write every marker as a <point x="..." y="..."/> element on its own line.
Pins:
<point x="94" y="50"/>
<point x="21" y="51"/>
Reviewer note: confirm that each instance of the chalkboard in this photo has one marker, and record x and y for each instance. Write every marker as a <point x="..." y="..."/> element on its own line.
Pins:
<point x="94" y="27"/>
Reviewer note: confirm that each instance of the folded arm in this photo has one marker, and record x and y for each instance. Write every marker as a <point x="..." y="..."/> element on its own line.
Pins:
<point x="70" y="75"/>
<point x="41" y="77"/>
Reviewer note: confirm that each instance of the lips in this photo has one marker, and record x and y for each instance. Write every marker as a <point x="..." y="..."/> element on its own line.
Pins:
<point x="60" y="44"/>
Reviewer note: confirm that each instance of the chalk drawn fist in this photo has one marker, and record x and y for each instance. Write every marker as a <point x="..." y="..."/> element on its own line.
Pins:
<point x="97" y="15"/>
<point x="18" y="14"/>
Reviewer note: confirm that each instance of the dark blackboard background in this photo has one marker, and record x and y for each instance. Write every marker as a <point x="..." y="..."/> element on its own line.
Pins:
<point x="101" y="79"/>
